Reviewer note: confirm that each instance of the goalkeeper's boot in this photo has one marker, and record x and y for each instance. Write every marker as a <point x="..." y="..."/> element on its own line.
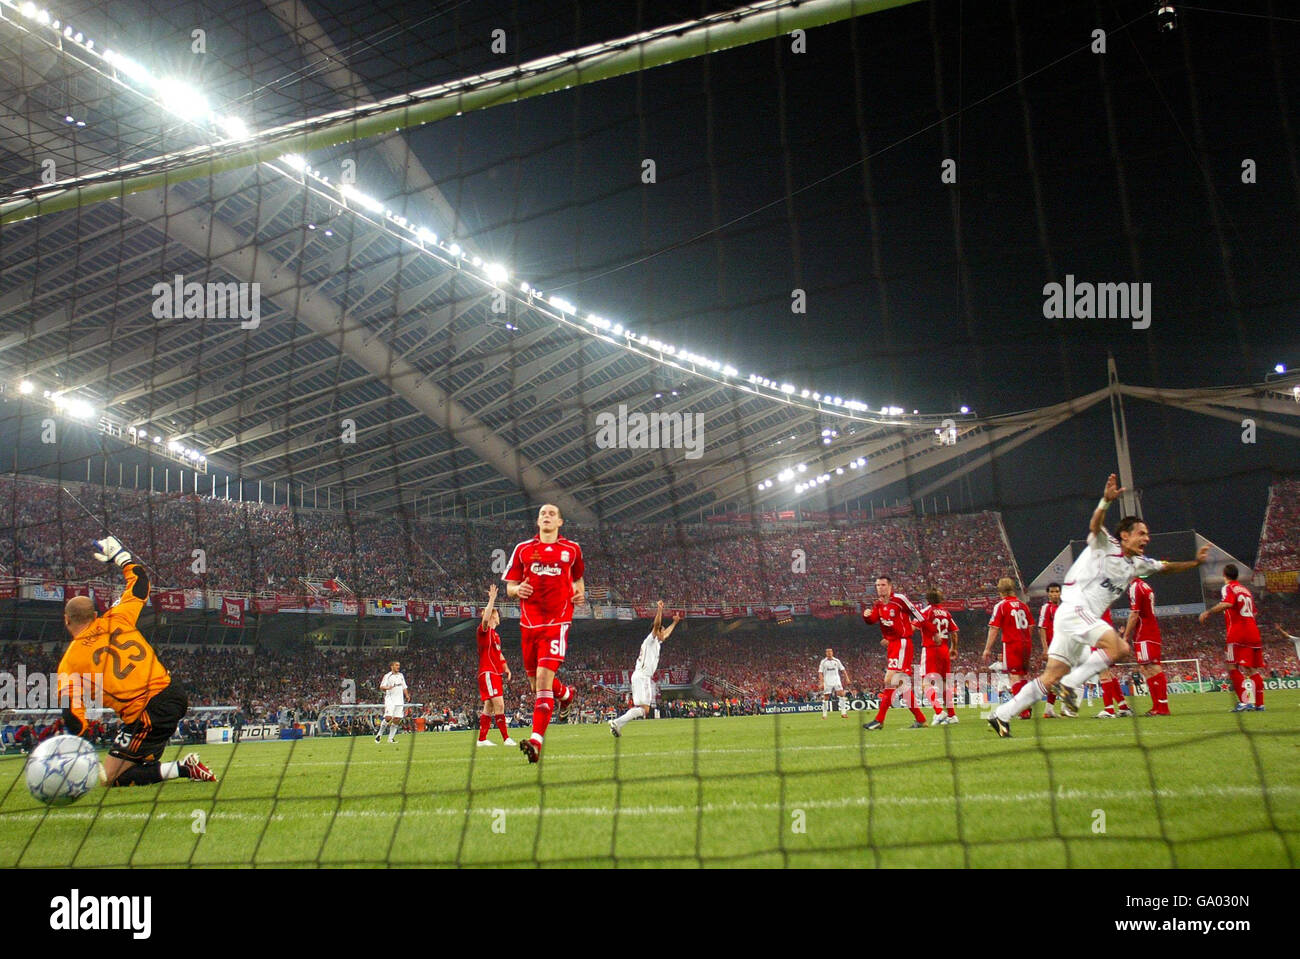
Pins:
<point x="530" y="749"/>
<point x="613" y="728"/>
<point x="198" y="771"/>
<point x="1000" y="726"/>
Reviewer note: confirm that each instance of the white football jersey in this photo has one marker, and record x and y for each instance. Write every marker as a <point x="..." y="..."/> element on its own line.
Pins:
<point x="648" y="661"/>
<point x="830" y="670"/>
<point x="1102" y="573"/>
<point x="394" y="685"/>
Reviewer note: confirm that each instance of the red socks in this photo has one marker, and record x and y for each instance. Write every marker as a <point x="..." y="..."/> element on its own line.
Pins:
<point x="1258" y="680"/>
<point x="542" y="710"/>
<point x="560" y="691"/>
<point x="484" y="724"/>
<point x="1237" y="680"/>
<point x="501" y="725"/>
<point x="1159" y="689"/>
<point x="1015" y="688"/>
<point x="886" y="700"/>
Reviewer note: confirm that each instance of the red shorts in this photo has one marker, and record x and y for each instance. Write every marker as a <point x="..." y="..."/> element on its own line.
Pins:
<point x="935" y="659"/>
<point x="1147" y="653"/>
<point x="489" y="686"/>
<point x="900" y="655"/>
<point x="544" y="647"/>
<point x="1016" y="656"/>
<point x="1245" y="657"/>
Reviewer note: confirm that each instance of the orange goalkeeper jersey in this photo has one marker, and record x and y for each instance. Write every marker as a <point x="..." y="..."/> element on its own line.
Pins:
<point x="119" y="659"/>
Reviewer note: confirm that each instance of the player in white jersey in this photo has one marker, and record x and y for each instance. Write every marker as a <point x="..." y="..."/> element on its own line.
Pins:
<point x="830" y="670"/>
<point x="643" y="687"/>
<point x="1083" y="644"/>
<point x="396" y="695"/>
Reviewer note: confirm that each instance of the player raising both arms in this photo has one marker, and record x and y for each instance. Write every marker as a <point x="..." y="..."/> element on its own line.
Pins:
<point x="898" y="619"/>
<point x="1245" y="646"/>
<point x="830" y="670"/>
<point x="1097" y="578"/>
<point x="938" y="644"/>
<point x="396" y="696"/>
<point x="491" y="666"/>
<point x="643" y="687"/>
<point x="1142" y="632"/>
<point x="1011" y="618"/>
<point x="123" y="667"/>
<point x="545" y="575"/>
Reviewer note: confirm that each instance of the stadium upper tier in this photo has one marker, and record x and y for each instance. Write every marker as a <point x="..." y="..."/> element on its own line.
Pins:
<point x="255" y="548"/>
<point x="1279" y="540"/>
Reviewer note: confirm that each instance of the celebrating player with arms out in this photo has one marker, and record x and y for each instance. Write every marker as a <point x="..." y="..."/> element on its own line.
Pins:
<point x="938" y="644"/>
<point x="1097" y="578"/>
<point x="643" y="689"/>
<point x="545" y="575"/>
<point x="830" y="670"/>
<point x="491" y="666"/>
<point x="898" y="619"/>
<point x="134" y="684"/>
<point x="1011" y="617"/>
<point x="1245" y="645"/>
<point x="396" y="696"/>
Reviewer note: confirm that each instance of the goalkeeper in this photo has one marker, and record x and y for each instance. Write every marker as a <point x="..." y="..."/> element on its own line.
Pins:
<point x="109" y="653"/>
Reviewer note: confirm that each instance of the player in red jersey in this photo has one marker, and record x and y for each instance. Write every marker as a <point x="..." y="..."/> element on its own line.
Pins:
<point x="1012" y="618"/>
<point x="898" y="619"/>
<point x="1046" y="623"/>
<point x="491" y="666"/>
<point x="545" y="574"/>
<point x="1245" y="646"/>
<point x="938" y="643"/>
<point x="1142" y="633"/>
<point x="1112" y="694"/>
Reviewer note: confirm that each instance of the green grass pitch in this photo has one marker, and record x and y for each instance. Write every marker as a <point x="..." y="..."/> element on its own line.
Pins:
<point x="1202" y="788"/>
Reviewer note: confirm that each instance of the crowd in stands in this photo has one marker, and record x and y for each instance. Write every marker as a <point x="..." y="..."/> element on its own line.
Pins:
<point x="731" y="675"/>
<point x="251" y="548"/>
<point x="1279" y="540"/>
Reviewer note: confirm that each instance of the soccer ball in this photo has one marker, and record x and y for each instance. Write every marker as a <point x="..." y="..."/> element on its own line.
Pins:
<point x="62" y="769"/>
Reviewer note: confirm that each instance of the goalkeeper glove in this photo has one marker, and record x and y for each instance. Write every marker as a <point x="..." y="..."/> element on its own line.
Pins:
<point x="111" y="549"/>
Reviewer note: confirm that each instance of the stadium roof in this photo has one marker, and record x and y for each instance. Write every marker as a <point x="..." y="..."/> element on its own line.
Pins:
<point x="462" y="390"/>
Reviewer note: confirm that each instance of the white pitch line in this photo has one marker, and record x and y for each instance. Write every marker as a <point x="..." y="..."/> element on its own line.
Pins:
<point x="1061" y="795"/>
<point x="627" y="754"/>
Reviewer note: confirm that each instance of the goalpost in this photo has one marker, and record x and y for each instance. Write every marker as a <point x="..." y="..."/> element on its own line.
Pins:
<point x="1199" y="685"/>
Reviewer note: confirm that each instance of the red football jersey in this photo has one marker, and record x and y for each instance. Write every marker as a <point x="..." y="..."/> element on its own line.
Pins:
<point x="490" y="659"/>
<point x="551" y="569"/>
<point x="1047" y="618"/>
<point x="1240" y="616"/>
<point x="937" y="626"/>
<point x="1141" y="603"/>
<point x="897" y="616"/>
<point x="1013" y="618"/>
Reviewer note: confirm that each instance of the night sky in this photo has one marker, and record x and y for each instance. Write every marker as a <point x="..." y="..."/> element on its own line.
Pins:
<point x="821" y="171"/>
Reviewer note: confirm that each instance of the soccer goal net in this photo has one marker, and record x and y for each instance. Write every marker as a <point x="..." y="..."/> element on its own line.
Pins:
<point x="338" y="316"/>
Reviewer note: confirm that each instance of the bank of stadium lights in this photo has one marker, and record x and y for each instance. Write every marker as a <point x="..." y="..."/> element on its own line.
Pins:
<point x="803" y="487"/>
<point x="191" y="105"/>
